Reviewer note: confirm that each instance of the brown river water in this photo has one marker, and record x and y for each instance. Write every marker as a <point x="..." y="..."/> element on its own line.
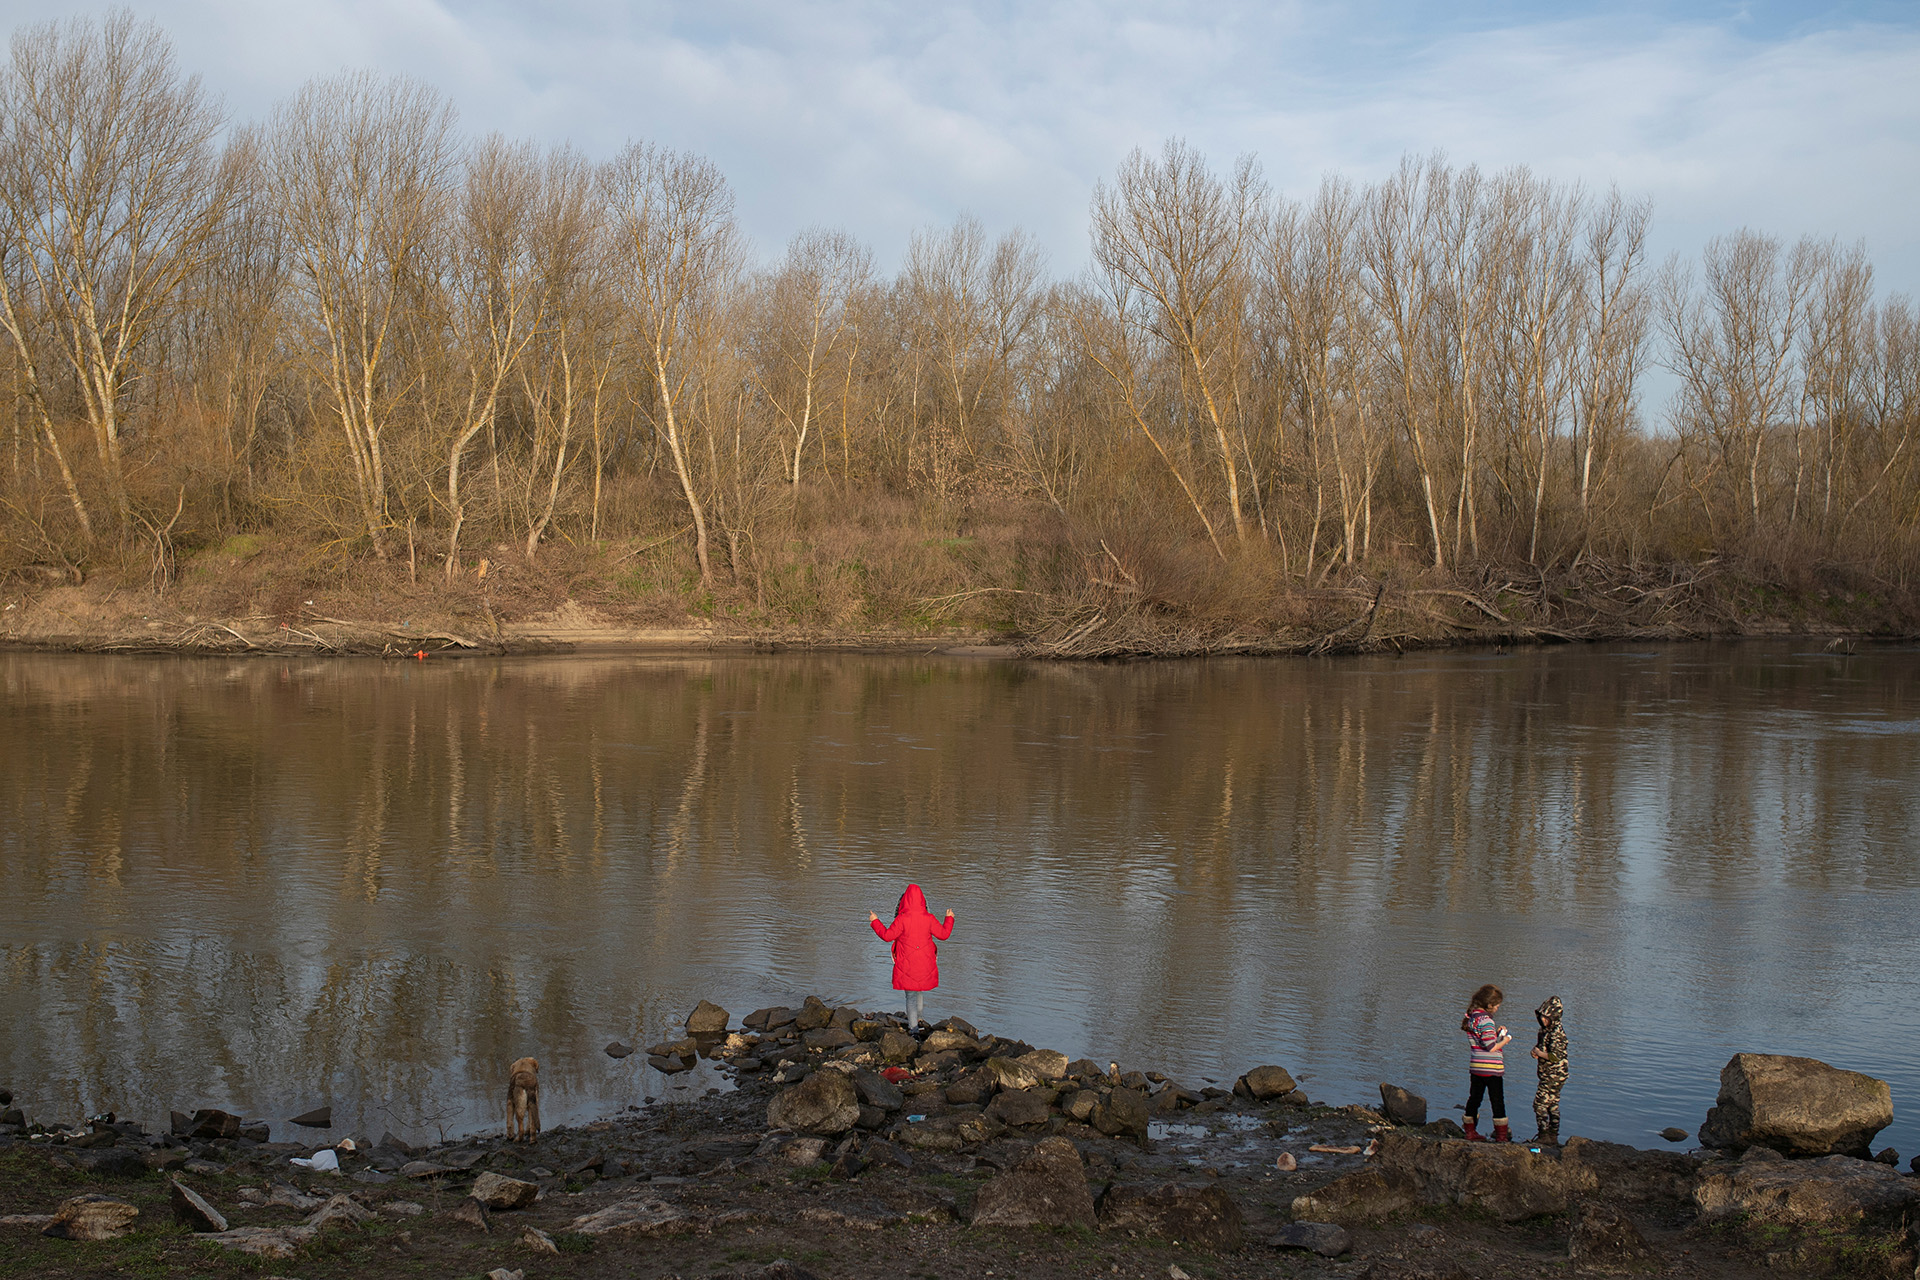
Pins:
<point x="268" y="884"/>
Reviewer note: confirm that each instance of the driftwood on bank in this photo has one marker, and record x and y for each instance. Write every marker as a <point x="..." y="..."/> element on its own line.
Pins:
<point x="1525" y="605"/>
<point x="310" y="633"/>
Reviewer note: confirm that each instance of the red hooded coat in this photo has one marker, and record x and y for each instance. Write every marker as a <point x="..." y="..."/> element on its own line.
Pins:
<point x="915" y="967"/>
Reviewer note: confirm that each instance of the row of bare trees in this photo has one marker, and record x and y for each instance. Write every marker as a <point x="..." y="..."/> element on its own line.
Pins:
<point x="351" y="324"/>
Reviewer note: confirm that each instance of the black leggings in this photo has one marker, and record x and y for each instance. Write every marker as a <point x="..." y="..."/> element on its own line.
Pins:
<point x="1495" y="1087"/>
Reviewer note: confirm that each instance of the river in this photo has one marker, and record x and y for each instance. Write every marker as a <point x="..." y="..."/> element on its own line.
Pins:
<point x="268" y="884"/>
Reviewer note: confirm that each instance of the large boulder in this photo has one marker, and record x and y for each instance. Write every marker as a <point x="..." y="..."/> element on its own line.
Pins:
<point x="823" y="1038"/>
<point x="1020" y="1107"/>
<point x="1048" y="1064"/>
<point x="97" y="1217"/>
<point x="898" y="1046"/>
<point x="825" y="1102"/>
<point x="1122" y="1113"/>
<point x="497" y="1191"/>
<point x="1263" y="1083"/>
<point x="1402" y="1107"/>
<point x="1797" y="1106"/>
<point x="707" y="1019"/>
<point x="1046" y="1189"/>
<point x="1005" y="1073"/>
<point x="876" y="1090"/>
<point x="210" y="1124"/>
<point x="1203" y="1216"/>
<point x="944" y="1041"/>
<point x="1830" y="1191"/>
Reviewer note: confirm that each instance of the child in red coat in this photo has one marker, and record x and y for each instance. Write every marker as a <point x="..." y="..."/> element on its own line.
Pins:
<point x="916" y="969"/>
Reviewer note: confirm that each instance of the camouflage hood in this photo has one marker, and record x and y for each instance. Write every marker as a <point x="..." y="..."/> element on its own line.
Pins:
<point x="1550" y="1010"/>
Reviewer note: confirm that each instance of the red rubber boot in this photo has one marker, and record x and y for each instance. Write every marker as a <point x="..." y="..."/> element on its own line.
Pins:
<point x="1501" y="1133"/>
<point x="1473" y="1133"/>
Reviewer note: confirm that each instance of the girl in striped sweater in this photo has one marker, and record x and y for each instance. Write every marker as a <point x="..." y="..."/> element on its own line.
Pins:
<point x="1486" y="1068"/>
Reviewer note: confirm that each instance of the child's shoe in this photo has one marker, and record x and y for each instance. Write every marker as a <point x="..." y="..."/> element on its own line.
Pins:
<point x="1473" y="1133"/>
<point x="1501" y="1133"/>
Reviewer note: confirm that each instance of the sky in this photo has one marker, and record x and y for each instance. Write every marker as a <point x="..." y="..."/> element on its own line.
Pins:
<point x="884" y="118"/>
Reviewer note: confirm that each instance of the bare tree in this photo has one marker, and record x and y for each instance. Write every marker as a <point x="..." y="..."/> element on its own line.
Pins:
<point x="1171" y="233"/>
<point x="111" y="194"/>
<point x="1834" y="359"/>
<point x="677" y="252"/>
<point x="1734" y="350"/>
<point x="497" y="296"/>
<point x="809" y="310"/>
<point x="360" y="168"/>
<point x="1400" y="280"/>
<point x="566" y="370"/>
<point x="970" y="309"/>
<point x="1612" y="337"/>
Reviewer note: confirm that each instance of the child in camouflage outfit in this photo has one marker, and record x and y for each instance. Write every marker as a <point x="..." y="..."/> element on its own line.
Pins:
<point x="1550" y="1049"/>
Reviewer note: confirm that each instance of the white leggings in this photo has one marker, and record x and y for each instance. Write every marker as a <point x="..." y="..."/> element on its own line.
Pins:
<point x="916" y="1008"/>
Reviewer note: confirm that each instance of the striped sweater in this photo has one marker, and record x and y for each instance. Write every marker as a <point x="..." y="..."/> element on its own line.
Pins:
<point x="1482" y="1058"/>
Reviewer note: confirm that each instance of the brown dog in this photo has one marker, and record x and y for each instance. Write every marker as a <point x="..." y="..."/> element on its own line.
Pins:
<point x="523" y="1100"/>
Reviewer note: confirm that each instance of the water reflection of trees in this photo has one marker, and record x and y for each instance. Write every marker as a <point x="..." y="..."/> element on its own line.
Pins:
<point x="374" y="884"/>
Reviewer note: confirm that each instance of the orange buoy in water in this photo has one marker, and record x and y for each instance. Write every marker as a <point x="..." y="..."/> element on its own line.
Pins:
<point x="421" y="654"/>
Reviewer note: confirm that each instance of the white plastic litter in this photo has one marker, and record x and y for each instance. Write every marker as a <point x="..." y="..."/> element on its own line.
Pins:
<point x="323" y="1161"/>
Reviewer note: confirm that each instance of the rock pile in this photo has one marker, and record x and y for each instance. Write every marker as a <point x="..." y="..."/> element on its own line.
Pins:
<point x="961" y="1087"/>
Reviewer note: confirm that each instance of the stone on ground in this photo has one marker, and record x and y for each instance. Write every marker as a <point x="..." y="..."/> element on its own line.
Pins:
<point x="1019" y="1107"/>
<point x="1674" y="1133"/>
<point x="1048" y="1064"/>
<point x="1046" y="1189"/>
<point x="1831" y="1191"/>
<point x="91" y="1217"/>
<point x="642" y="1217"/>
<point x="1202" y="1216"/>
<point x="1604" y="1239"/>
<point x="1367" y="1196"/>
<point x="496" y="1191"/>
<point x="1797" y="1106"/>
<point x="1268" y="1082"/>
<point x="318" y="1118"/>
<point x="876" y="1090"/>
<point x="209" y="1125"/>
<point x="1327" y="1239"/>
<point x="195" y="1212"/>
<point x="472" y="1213"/>
<point x="1402" y="1107"/>
<point x="1005" y="1073"/>
<point x="1122" y="1113"/>
<point x="262" y="1242"/>
<point x="339" y="1211"/>
<point x="825" y="1102"/>
<point x="898" y="1046"/>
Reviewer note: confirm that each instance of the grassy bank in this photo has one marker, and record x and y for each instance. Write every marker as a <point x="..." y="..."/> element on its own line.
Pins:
<point x="897" y="573"/>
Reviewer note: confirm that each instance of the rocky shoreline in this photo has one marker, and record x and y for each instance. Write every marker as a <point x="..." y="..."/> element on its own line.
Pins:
<point x="852" y="1148"/>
